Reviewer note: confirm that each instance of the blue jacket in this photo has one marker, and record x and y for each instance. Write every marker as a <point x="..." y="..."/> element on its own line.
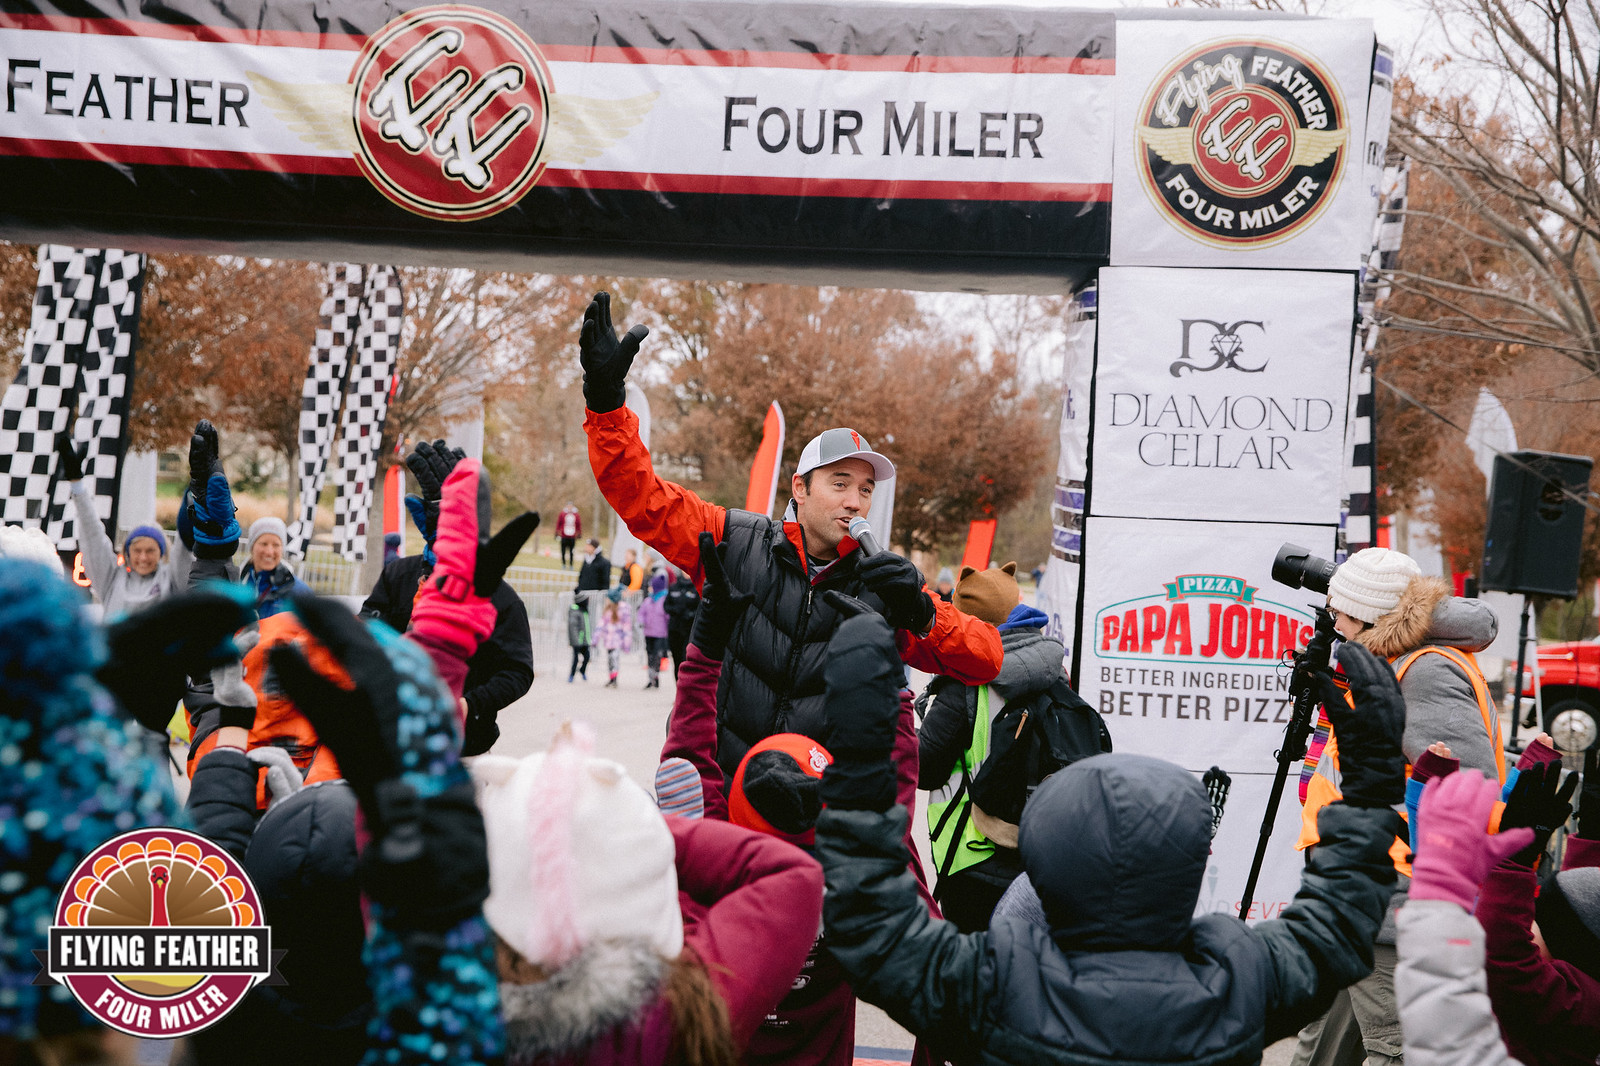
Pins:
<point x="272" y="589"/>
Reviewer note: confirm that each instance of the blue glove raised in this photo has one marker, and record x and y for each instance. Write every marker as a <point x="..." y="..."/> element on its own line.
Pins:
<point x="213" y="529"/>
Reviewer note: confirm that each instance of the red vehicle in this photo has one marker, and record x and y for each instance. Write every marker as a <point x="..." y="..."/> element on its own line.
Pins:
<point x="1569" y="682"/>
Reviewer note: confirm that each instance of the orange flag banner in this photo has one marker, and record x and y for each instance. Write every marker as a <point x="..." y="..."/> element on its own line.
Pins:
<point x="980" y="543"/>
<point x="763" y="491"/>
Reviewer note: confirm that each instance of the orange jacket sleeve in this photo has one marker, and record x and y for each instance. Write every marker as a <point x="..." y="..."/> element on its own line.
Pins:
<point x="666" y="516"/>
<point x="958" y="645"/>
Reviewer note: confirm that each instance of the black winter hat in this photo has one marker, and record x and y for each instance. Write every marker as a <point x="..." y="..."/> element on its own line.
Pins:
<point x="781" y="792"/>
<point x="1568" y="913"/>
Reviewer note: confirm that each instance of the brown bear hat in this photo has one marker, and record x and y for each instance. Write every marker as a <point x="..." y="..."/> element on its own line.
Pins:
<point x="988" y="594"/>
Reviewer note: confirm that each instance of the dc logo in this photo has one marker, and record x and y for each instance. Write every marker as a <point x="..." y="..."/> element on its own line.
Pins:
<point x="451" y="112"/>
<point x="1242" y="143"/>
<point x="1224" y="348"/>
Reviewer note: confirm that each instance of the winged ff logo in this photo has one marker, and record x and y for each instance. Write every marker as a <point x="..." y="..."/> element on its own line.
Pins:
<point x="1225" y="347"/>
<point x="451" y="112"/>
<point x="1242" y="142"/>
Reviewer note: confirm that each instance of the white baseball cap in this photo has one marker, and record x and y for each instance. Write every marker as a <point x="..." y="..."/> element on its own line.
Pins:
<point x="832" y="445"/>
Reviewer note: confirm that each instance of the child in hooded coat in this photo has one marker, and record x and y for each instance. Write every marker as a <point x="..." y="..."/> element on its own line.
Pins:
<point x="1116" y="848"/>
<point x="615" y="633"/>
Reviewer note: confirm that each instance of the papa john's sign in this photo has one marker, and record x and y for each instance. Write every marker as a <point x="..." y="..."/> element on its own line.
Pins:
<point x="1186" y="662"/>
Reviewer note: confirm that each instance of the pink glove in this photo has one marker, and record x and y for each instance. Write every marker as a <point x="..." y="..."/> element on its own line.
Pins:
<point x="452" y="614"/>
<point x="1456" y="851"/>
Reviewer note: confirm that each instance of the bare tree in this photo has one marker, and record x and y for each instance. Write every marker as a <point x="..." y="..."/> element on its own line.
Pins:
<point x="1517" y="143"/>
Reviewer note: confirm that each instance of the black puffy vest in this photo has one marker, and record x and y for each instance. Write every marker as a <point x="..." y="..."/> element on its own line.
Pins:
<point x="772" y="674"/>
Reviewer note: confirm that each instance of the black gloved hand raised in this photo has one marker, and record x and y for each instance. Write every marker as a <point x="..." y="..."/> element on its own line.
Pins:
<point x="428" y="859"/>
<point x="606" y="359"/>
<point x="209" y="525"/>
<point x="430" y="464"/>
<point x="153" y="652"/>
<point x="1372" y="766"/>
<point x="898" y="584"/>
<point x="1541" y="802"/>
<point x="864" y="675"/>
<point x="721" y="605"/>
<point x="71" y="466"/>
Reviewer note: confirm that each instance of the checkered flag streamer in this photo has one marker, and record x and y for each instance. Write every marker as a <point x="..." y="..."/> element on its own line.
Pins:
<point x="366" y="403"/>
<point x="36" y="404"/>
<point x="105" y="376"/>
<point x="324" y="389"/>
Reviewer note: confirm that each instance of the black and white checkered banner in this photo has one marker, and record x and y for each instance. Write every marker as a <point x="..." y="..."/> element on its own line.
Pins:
<point x="79" y="361"/>
<point x="366" y="403"/>
<point x="347" y="384"/>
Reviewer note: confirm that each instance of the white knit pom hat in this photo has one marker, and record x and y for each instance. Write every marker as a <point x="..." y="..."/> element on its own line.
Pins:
<point x="578" y="853"/>
<point x="1368" y="585"/>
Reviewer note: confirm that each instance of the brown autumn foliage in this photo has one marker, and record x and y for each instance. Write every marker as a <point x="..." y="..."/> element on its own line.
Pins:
<point x="1475" y="307"/>
<point x="967" y="437"/>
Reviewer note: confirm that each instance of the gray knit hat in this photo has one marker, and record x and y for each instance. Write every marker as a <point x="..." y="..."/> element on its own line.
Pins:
<point x="262" y="526"/>
<point x="1368" y="585"/>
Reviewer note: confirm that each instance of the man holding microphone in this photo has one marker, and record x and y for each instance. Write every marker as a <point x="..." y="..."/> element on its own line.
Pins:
<point x="772" y="677"/>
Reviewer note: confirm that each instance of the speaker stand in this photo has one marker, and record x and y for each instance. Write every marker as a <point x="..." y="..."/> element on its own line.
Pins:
<point x="1516" y="699"/>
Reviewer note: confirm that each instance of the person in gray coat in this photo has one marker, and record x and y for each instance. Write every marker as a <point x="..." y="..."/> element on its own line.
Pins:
<point x="1116" y="847"/>
<point x="144" y="574"/>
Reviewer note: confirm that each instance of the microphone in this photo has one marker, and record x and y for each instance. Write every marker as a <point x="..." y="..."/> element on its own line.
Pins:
<point x="862" y="532"/>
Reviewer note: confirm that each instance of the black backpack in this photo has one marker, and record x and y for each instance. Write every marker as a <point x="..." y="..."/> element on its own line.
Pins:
<point x="1030" y="739"/>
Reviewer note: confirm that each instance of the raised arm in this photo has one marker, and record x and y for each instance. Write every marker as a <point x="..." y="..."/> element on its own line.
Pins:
<point x="666" y="516"/>
<point x="919" y="969"/>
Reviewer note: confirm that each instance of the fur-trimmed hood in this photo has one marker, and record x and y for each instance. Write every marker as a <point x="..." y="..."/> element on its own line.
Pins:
<point x="607" y="986"/>
<point x="1429" y="614"/>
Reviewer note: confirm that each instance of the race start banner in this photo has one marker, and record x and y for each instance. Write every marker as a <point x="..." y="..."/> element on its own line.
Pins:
<point x="1221" y="394"/>
<point x="897" y="143"/>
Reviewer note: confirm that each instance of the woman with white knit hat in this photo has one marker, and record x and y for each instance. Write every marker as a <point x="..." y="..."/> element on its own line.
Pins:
<point x="1380" y="599"/>
<point x="266" y="571"/>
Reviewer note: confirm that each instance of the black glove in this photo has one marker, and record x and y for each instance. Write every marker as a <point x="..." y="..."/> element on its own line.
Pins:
<point x="847" y="606"/>
<point x="71" y="466"/>
<point x="606" y="359"/>
<point x="1372" y="766"/>
<point x="1541" y="802"/>
<point x="427" y="859"/>
<point x="899" y="585"/>
<point x="721" y="605"/>
<point x="864" y="675"/>
<point x="782" y="793"/>
<point x="211" y="530"/>
<point x="430" y="464"/>
<point x="153" y="652"/>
